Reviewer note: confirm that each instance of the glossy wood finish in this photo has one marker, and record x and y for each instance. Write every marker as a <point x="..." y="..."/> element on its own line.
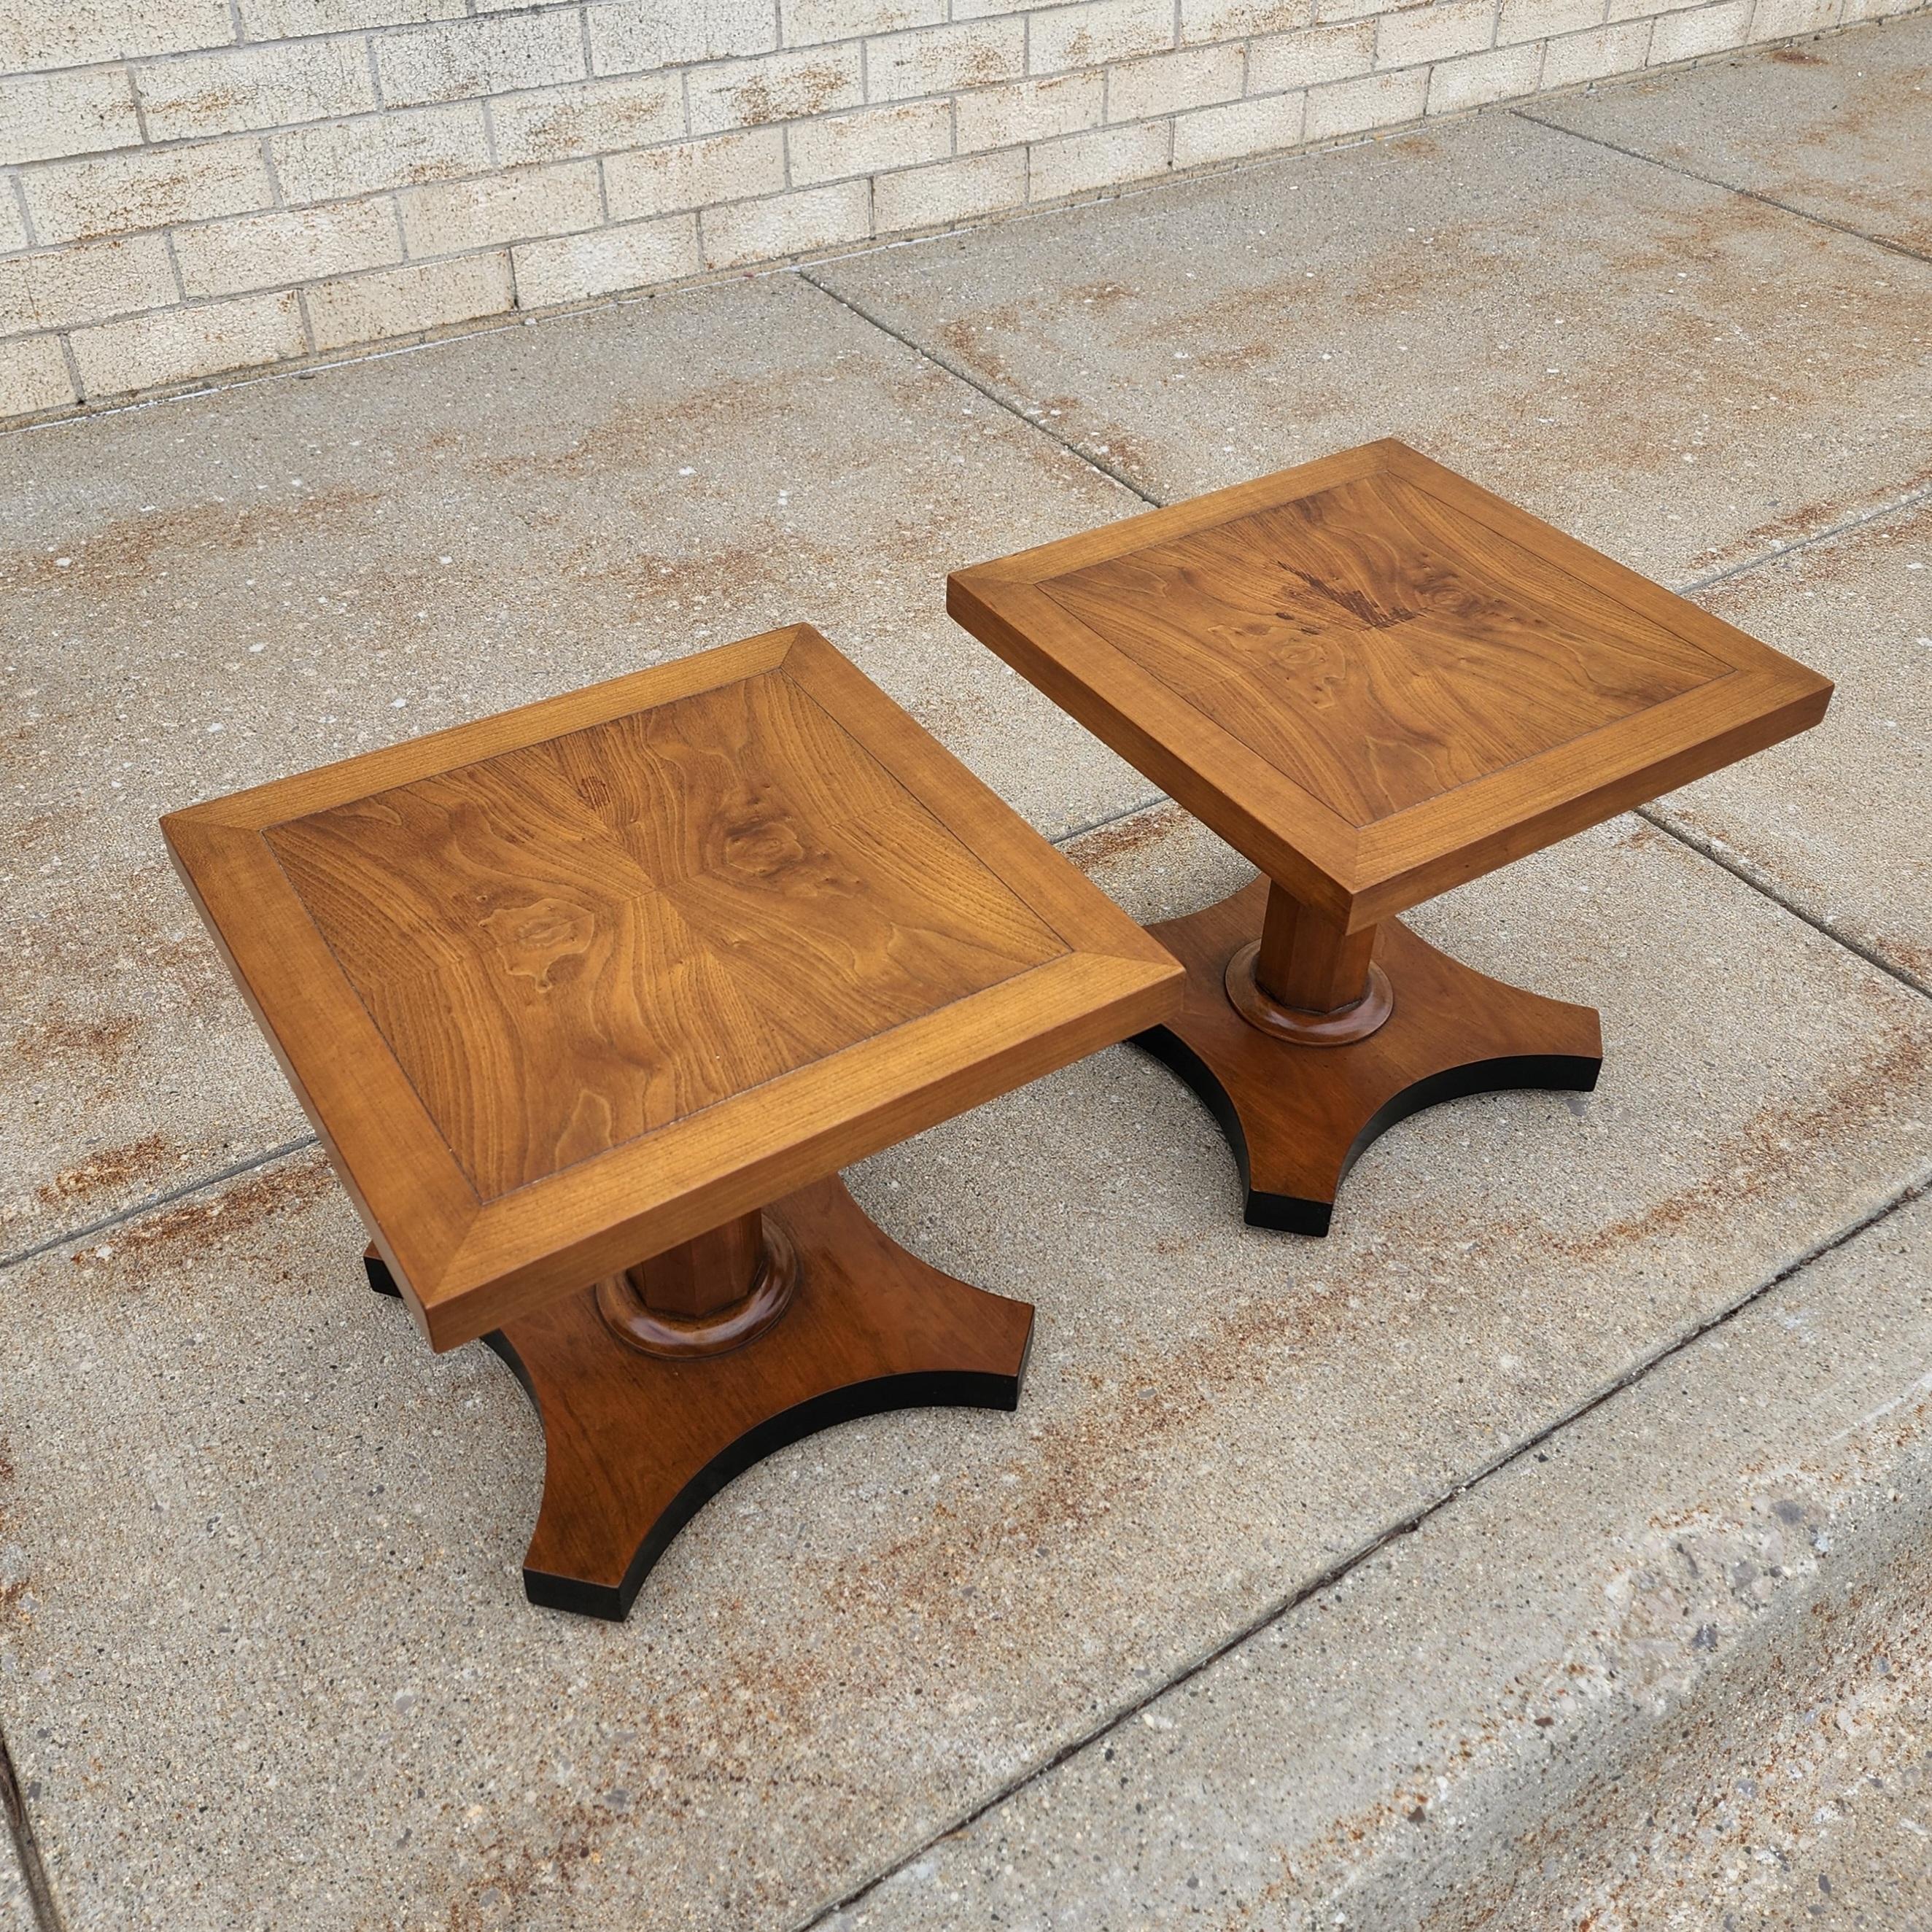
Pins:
<point x="564" y="988"/>
<point x="1297" y="1117"/>
<point x="1308" y="980"/>
<point x="1303" y="959"/>
<point x="634" y="1446"/>
<point x="1378" y="680"/>
<point x="705" y="1297"/>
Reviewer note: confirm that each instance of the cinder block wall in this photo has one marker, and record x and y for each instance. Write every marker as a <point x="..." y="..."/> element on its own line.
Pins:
<point x="195" y="186"/>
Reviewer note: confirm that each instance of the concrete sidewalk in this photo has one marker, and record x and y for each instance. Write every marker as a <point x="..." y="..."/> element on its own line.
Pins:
<point x="1645" y="1374"/>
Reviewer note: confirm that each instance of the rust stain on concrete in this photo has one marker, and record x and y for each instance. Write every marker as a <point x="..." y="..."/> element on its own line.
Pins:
<point x="143" y="545"/>
<point x="1093" y="851"/>
<point x="172" y="1239"/>
<point x="113" y="1167"/>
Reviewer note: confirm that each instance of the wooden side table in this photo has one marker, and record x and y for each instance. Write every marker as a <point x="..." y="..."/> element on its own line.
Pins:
<point x="1376" y="681"/>
<point x="589" y="1002"/>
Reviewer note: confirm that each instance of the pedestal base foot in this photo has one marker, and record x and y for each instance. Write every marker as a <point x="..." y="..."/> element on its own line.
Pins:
<point x="635" y="1444"/>
<point x="1298" y="1117"/>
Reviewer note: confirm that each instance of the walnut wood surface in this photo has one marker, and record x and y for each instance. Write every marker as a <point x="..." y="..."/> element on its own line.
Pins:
<point x="1298" y="1117"/>
<point x="565" y="988"/>
<point x="1378" y="680"/>
<point x="1376" y="648"/>
<point x="634" y="1447"/>
<point x="1305" y="960"/>
<point x="699" y="1277"/>
<point x="570" y="946"/>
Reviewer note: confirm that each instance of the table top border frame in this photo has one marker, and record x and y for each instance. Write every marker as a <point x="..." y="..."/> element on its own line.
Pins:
<point x="467" y="1265"/>
<point x="1361" y="875"/>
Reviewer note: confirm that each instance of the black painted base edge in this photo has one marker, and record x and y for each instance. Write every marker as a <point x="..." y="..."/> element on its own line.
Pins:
<point x="1289" y="1213"/>
<point x="931" y="1389"/>
<point x="1174" y="1053"/>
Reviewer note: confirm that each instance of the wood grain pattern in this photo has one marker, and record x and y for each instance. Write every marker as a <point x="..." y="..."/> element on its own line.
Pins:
<point x="564" y="989"/>
<point x="571" y="945"/>
<point x="1375" y="648"/>
<point x="1376" y="679"/>
<point x="634" y="1447"/>
<point x="1298" y="1117"/>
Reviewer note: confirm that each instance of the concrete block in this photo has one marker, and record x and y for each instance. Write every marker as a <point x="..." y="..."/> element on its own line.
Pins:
<point x="942" y="60"/>
<point x="394" y="149"/>
<point x="1438" y="32"/>
<point x="447" y="217"/>
<point x="1704" y="30"/>
<point x="1098" y="33"/>
<point x="803" y="22"/>
<point x="33" y="376"/>
<point x="1029" y="110"/>
<point x="115" y="193"/>
<point x="694" y="174"/>
<point x="776" y="87"/>
<point x="1780" y="19"/>
<point x="1234" y="19"/>
<point x="633" y="36"/>
<point x="298" y="244"/>
<point x="949" y="191"/>
<point x="1307" y="59"/>
<point x="1345" y="107"/>
<point x="281" y="20"/>
<point x="634" y="255"/>
<point x="254" y="87"/>
<point x="1541" y="19"/>
<point x="86" y="281"/>
<point x="1082" y="162"/>
<point x="12" y="221"/>
<point x="177" y="345"/>
<point x="839" y="145"/>
<point x="35" y="34"/>
<point x="591" y="118"/>
<point x="1137" y="90"/>
<point x="405" y="301"/>
<point x="491" y="54"/>
<point x="1256" y="127"/>
<point x="1603" y="51"/>
<point x="1632" y="9"/>
<point x="786" y="224"/>
<point x="46" y="116"/>
<point x="1502" y="73"/>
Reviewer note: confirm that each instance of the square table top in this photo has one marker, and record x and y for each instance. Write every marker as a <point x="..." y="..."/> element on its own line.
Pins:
<point x="563" y="988"/>
<point x="1376" y="679"/>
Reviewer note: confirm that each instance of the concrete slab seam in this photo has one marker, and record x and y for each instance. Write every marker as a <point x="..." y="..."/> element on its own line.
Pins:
<point x="1739" y="867"/>
<point x="1909" y="500"/>
<point x="73" y="1235"/>
<point x="1346" y="1565"/>
<point x="980" y="388"/>
<point x="1732" y="187"/>
<point x="26" y="1847"/>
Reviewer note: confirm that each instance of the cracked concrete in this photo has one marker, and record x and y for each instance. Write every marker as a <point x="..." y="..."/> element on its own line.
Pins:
<point x="263" y="1657"/>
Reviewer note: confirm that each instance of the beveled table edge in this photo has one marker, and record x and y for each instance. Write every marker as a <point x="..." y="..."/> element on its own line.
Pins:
<point x="1361" y="875"/>
<point x="466" y="1266"/>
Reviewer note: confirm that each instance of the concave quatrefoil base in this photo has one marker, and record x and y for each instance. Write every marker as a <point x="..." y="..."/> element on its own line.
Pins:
<point x="1298" y="1117"/>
